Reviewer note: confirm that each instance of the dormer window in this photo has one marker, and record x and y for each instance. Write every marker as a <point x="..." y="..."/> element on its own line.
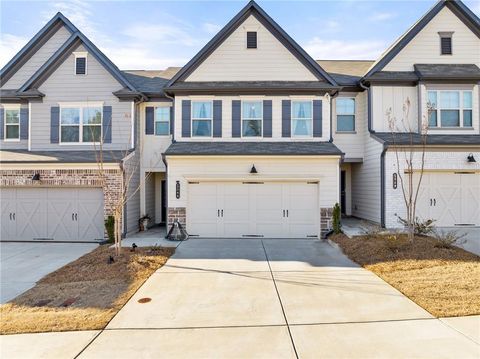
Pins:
<point x="251" y="39"/>
<point x="446" y="43"/>
<point x="80" y="63"/>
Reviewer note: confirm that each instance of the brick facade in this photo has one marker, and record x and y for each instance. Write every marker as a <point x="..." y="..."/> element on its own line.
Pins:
<point x="326" y="215"/>
<point x="112" y="186"/>
<point x="177" y="213"/>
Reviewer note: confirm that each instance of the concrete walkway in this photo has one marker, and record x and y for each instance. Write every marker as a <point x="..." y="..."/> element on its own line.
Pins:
<point x="247" y="298"/>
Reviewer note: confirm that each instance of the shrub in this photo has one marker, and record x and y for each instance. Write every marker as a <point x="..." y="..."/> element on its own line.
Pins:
<point x="110" y="227"/>
<point x="447" y="239"/>
<point x="420" y="228"/>
<point x="336" y="217"/>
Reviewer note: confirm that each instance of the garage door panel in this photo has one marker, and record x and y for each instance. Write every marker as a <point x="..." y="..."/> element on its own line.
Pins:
<point x="31" y="213"/>
<point x="7" y="205"/>
<point x="61" y="223"/>
<point x="90" y="214"/>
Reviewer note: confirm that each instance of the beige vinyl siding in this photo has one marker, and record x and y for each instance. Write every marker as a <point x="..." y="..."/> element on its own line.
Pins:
<point x="394" y="98"/>
<point x="366" y="183"/>
<point x="425" y="47"/>
<point x="64" y="86"/>
<point x="232" y="61"/>
<point x="9" y="145"/>
<point x="326" y="170"/>
<point x="352" y="144"/>
<point x="38" y="59"/>
<point x="276" y="118"/>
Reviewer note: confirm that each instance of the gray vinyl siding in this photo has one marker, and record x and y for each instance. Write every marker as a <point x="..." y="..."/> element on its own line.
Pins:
<point x="64" y="86"/>
<point x="38" y="59"/>
<point x="17" y="145"/>
<point x="150" y="196"/>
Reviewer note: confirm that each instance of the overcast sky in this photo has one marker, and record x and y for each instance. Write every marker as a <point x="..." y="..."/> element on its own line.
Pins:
<point x="158" y="34"/>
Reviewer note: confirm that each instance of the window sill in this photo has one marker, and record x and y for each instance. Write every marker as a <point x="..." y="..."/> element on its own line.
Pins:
<point x="346" y="132"/>
<point x="451" y="128"/>
<point x="11" y="140"/>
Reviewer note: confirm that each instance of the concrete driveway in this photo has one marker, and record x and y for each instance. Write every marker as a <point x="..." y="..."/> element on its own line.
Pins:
<point x="472" y="239"/>
<point x="22" y="264"/>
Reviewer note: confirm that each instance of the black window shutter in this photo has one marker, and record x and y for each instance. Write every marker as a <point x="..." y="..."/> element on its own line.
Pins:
<point x="107" y="124"/>
<point x="172" y="119"/>
<point x="186" y="118"/>
<point x="81" y="65"/>
<point x="54" y="123"/>
<point x="236" y="118"/>
<point x="2" y="114"/>
<point x="267" y="118"/>
<point x="217" y="118"/>
<point x="317" y="118"/>
<point x="24" y="123"/>
<point x="446" y="43"/>
<point x="286" y="118"/>
<point x="149" y="120"/>
<point x="251" y="39"/>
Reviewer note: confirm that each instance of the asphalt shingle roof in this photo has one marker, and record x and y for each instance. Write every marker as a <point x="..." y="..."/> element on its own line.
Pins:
<point x="447" y="71"/>
<point x="404" y="139"/>
<point x="25" y="156"/>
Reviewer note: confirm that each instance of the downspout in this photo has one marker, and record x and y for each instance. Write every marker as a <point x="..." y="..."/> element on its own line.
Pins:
<point x="369" y="105"/>
<point x="332" y="96"/>
<point x="165" y="160"/>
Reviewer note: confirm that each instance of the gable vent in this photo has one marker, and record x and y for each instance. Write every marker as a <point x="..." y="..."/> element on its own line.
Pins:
<point x="80" y="65"/>
<point x="251" y="39"/>
<point x="446" y="44"/>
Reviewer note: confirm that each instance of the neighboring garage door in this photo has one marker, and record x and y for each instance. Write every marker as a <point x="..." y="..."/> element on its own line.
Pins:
<point x="52" y="213"/>
<point x="275" y="210"/>
<point x="452" y="198"/>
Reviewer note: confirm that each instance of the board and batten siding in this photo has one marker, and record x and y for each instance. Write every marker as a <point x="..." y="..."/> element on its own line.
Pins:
<point x="270" y="61"/>
<point x="97" y="86"/>
<point x="276" y="118"/>
<point x="352" y="144"/>
<point x="38" y="59"/>
<point x="425" y="47"/>
<point x="326" y="170"/>
<point x="395" y="98"/>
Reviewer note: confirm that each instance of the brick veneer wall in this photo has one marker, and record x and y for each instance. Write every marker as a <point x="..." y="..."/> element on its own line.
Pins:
<point x="112" y="187"/>
<point x="177" y="213"/>
<point x="326" y="215"/>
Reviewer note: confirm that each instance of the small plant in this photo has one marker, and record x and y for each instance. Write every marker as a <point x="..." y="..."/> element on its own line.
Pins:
<point x="110" y="228"/>
<point x="371" y="230"/>
<point x="395" y="241"/>
<point x="420" y="228"/>
<point x="336" y="219"/>
<point x="448" y="239"/>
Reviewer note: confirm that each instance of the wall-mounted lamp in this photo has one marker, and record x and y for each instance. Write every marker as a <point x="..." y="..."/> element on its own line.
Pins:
<point x="253" y="170"/>
<point x="395" y="181"/>
<point x="36" y="177"/>
<point x="470" y="158"/>
<point x="177" y="189"/>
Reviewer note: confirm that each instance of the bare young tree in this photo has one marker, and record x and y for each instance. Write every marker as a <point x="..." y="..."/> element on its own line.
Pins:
<point x="406" y="156"/>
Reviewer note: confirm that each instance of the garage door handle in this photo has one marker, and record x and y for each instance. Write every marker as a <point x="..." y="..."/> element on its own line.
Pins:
<point x="222" y="212"/>
<point x="287" y="212"/>
<point x="76" y="216"/>
<point x="431" y="200"/>
<point x="218" y="213"/>
<point x="13" y="216"/>
<point x="73" y="216"/>
<point x="435" y="202"/>
<point x="10" y="215"/>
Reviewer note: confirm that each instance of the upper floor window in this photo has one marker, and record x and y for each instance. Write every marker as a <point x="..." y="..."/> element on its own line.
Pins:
<point x="449" y="109"/>
<point x="251" y="39"/>
<point x="201" y="119"/>
<point x="302" y="118"/>
<point x="80" y="124"/>
<point x="252" y="117"/>
<point x="12" y="124"/>
<point x="345" y="114"/>
<point x="80" y="63"/>
<point x="445" y="43"/>
<point x="162" y="121"/>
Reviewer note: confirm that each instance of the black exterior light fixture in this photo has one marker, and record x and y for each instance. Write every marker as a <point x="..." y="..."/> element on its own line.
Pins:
<point x="253" y="170"/>
<point x="470" y="158"/>
<point x="36" y="177"/>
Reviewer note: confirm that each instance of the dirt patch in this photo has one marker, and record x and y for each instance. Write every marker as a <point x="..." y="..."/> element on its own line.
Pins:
<point x="84" y="294"/>
<point x="443" y="281"/>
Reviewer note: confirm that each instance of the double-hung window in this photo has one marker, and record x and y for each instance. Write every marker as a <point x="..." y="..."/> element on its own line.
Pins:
<point x="302" y="118"/>
<point x="12" y="124"/>
<point x="162" y="121"/>
<point x="82" y="124"/>
<point x="252" y="118"/>
<point x="345" y="114"/>
<point x="202" y="119"/>
<point x="449" y="109"/>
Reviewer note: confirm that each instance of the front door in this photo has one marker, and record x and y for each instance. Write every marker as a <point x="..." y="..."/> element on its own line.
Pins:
<point x="343" y="196"/>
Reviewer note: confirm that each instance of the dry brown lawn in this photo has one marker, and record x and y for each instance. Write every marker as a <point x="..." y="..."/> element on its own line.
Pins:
<point x="444" y="281"/>
<point x="84" y="294"/>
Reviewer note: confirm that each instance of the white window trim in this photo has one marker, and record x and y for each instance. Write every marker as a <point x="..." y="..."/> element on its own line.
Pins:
<point x="445" y="34"/>
<point x="460" y="110"/>
<point x="346" y="114"/>
<point x="155" y="120"/>
<point x="80" y="54"/>
<point x="253" y="119"/>
<point x="201" y="119"/>
<point x="294" y="118"/>
<point x="9" y="107"/>
<point x="81" y="106"/>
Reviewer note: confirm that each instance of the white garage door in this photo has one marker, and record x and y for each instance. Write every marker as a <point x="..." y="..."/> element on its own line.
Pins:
<point x="51" y="213"/>
<point x="452" y="199"/>
<point x="275" y="210"/>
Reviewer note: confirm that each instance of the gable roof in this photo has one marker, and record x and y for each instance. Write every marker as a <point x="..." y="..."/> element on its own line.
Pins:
<point x="252" y="8"/>
<point x="456" y="6"/>
<point x="34" y="44"/>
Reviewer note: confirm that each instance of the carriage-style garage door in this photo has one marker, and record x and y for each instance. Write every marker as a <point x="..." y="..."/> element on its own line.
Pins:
<point x="266" y="209"/>
<point x="452" y="199"/>
<point x="52" y="213"/>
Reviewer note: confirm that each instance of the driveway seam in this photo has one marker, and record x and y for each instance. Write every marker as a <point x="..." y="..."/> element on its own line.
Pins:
<point x="203" y="327"/>
<point x="458" y="331"/>
<point x="280" y="300"/>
